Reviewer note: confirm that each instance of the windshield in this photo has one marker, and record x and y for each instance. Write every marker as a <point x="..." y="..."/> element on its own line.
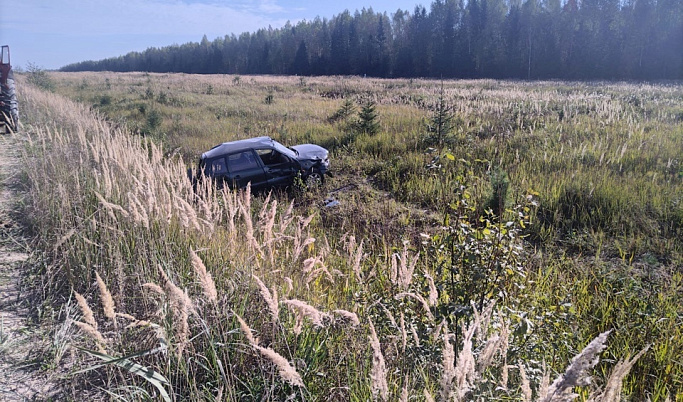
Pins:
<point x="282" y="149"/>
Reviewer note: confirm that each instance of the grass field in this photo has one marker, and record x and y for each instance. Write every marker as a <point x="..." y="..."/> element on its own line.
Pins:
<point x="561" y="202"/>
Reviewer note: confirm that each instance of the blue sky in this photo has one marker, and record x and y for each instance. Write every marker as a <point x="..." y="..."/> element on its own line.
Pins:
<point x="53" y="33"/>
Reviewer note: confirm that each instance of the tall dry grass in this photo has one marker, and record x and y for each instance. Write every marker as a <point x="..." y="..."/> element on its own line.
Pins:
<point x="116" y="202"/>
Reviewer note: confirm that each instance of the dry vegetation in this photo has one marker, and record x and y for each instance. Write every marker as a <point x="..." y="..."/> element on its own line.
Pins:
<point x="410" y="289"/>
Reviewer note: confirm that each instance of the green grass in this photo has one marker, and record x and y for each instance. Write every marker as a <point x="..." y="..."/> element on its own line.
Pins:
<point x="590" y="229"/>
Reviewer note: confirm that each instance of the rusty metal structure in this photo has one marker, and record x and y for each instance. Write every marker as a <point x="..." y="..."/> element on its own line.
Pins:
<point x="9" y="110"/>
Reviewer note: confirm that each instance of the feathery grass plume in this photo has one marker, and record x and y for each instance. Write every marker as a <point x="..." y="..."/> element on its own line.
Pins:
<point x="290" y="283"/>
<point x="504" y="335"/>
<point x="205" y="209"/>
<point x="404" y="390"/>
<point x="428" y="396"/>
<point x="181" y="304"/>
<point x="393" y="269"/>
<point x="301" y="238"/>
<point x="300" y="246"/>
<point x="402" y="267"/>
<point x="420" y="299"/>
<point x="63" y="239"/>
<point x="232" y="209"/>
<point x="526" y="386"/>
<point x="349" y="242"/>
<point x="306" y="310"/>
<point x="486" y="356"/>
<point x="154" y="288"/>
<point x="267" y="218"/>
<point x="139" y="323"/>
<point x="465" y="373"/>
<point x="348" y="316"/>
<point x="308" y="264"/>
<point x="267" y="229"/>
<point x="286" y="371"/>
<point x="246" y="330"/>
<point x="482" y="319"/>
<point x="106" y="175"/>
<point x="286" y="218"/>
<point x="246" y="196"/>
<point x="189" y="214"/>
<point x="504" y="374"/>
<point x="378" y="374"/>
<point x="271" y="300"/>
<point x="416" y="338"/>
<point x="264" y="207"/>
<point x="577" y="372"/>
<point x="357" y="258"/>
<point x="205" y="278"/>
<point x="612" y="389"/>
<point x="87" y="312"/>
<point x="111" y="206"/>
<point x="126" y="316"/>
<point x="447" y="367"/>
<point x="133" y="210"/>
<point x="246" y="216"/>
<point x="94" y="334"/>
<point x="298" y="325"/>
<point x="107" y="300"/>
<point x="433" y="292"/>
<point x="312" y="273"/>
<point x="388" y="313"/>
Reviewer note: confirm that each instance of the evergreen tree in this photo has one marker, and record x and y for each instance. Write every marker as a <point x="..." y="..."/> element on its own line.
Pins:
<point x="440" y="125"/>
<point x="301" y="64"/>
<point x="368" y="119"/>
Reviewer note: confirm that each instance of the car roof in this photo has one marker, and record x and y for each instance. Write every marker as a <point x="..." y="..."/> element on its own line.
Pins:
<point x="236" y="146"/>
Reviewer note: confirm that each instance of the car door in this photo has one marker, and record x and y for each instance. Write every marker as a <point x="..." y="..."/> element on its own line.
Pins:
<point x="280" y="169"/>
<point x="215" y="168"/>
<point x="243" y="167"/>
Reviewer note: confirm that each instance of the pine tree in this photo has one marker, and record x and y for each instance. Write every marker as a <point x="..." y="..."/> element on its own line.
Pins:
<point x="367" y="119"/>
<point x="440" y="125"/>
<point x="347" y="109"/>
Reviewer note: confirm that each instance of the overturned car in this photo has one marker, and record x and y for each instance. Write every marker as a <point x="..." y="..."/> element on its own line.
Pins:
<point x="265" y="163"/>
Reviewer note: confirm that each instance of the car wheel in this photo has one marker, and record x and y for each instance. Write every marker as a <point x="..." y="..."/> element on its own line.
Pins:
<point x="315" y="180"/>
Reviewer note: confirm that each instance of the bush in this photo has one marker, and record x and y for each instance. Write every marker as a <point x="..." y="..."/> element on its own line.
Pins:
<point x="154" y="120"/>
<point x="39" y="77"/>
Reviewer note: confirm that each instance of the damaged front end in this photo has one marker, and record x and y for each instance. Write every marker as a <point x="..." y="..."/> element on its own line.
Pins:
<point x="313" y="159"/>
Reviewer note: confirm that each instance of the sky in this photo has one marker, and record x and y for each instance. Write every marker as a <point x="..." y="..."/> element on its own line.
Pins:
<point x="50" y="34"/>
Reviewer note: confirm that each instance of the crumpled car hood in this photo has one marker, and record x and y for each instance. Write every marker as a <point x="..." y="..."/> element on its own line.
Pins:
<point x="311" y="152"/>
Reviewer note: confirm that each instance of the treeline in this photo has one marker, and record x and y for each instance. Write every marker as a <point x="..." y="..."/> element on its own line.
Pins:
<point x="531" y="39"/>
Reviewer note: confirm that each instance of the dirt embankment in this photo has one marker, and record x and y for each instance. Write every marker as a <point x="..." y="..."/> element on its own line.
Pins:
<point x="24" y="343"/>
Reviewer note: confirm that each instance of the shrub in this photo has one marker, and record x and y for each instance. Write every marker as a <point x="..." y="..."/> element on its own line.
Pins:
<point x="39" y="77"/>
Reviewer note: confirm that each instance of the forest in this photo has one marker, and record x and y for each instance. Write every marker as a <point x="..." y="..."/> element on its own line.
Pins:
<point x="501" y="39"/>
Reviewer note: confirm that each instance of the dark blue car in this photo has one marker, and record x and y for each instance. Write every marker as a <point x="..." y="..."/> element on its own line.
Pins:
<point x="265" y="163"/>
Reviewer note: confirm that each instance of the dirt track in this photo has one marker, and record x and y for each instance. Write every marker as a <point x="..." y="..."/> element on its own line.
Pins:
<point x="24" y="344"/>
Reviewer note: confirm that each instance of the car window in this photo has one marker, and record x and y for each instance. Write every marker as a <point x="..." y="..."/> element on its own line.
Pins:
<point x="271" y="157"/>
<point x="242" y="161"/>
<point x="217" y="166"/>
